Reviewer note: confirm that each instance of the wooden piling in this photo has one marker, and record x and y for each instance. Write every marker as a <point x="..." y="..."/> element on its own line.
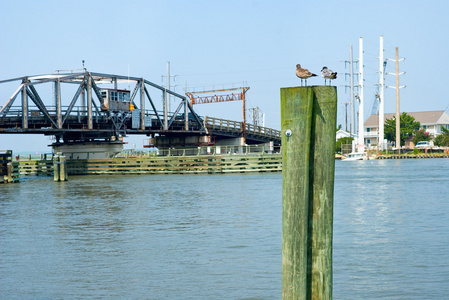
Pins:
<point x="56" y="168"/>
<point x="59" y="168"/>
<point x="9" y="170"/>
<point x="9" y="175"/>
<point x="296" y="118"/>
<point x="62" y="168"/>
<point x="322" y="170"/>
<point x="308" y="117"/>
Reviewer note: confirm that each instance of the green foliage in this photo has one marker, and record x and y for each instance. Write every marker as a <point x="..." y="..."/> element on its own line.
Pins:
<point x="415" y="151"/>
<point x="421" y="135"/>
<point x="344" y="141"/>
<point x="408" y="127"/>
<point x="442" y="140"/>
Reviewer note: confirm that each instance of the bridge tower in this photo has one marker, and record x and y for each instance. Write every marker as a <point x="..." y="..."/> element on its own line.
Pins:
<point x="223" y="95"/>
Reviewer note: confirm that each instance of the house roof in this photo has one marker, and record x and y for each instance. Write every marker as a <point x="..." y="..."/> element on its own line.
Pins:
<point x="423" y="117"/>
<point x="342" y="133"/>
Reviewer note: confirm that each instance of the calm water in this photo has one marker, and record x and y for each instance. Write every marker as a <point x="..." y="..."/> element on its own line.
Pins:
<point x="219" y="236"/>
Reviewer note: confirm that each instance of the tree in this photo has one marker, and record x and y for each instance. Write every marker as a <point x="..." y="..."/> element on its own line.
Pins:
<point x="338" y="128"/>
<point x="421" y="135"/>
<point x="408" y="127"/>
<point x="442" y="139"/>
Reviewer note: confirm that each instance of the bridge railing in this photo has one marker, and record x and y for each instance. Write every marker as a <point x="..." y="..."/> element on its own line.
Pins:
<point x="77" y="112"/>
<point x="194" y="151"/>
<point x="16" y="111"/>
<point x="33" y="157"/>
<point x="235" y="126"/>
<point x="204" y="150"/>
<point x="263" y="131"/>
<point x="222" y="124"/>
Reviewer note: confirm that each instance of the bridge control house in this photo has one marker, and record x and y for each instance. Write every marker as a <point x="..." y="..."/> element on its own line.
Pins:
<point x="116" y="100"/>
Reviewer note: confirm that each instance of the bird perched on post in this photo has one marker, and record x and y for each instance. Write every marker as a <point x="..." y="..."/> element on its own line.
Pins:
<point x="328" y="74"/>
<point x="303" y="73"/>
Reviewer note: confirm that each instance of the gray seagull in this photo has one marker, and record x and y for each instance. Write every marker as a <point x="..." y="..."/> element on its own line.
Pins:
<point x="328" y="74"/>
<point x="303" y="73"/>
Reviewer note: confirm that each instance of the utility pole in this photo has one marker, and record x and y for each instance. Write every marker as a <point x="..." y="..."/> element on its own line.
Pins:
<point x="167" y="98"/>
<point x="398" y="116"/>
<point x="346" y="115"/>
<point x="166" y="101"/>
<point x="361" y="139"/>
<point x="381" y="94"/>
<point x="398" y="113"/>
<point x="352" y="125"/>
<point x="255" y="115"/>
<point x="351" y="83"/>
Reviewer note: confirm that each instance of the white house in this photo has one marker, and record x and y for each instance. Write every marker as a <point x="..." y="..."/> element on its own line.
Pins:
<point x="431" y="122"/>
<point x="341" y="133"/>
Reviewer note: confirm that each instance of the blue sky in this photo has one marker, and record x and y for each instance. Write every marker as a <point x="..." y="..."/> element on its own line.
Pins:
<point x="225" y="44"/>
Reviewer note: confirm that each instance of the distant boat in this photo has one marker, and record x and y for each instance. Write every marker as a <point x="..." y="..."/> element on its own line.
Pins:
<point x="357" y="156"/>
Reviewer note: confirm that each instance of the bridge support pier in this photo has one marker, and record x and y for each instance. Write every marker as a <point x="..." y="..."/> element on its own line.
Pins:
<point x="88" y="150"/>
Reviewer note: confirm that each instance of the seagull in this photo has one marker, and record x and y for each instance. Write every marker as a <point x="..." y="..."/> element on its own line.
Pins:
<point x="328" y="74"/>
<point x="303" y="73"/>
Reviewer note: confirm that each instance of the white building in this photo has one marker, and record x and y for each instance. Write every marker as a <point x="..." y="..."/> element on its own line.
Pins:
<point x="431" y="122"/>
<point x="341" y="133"/>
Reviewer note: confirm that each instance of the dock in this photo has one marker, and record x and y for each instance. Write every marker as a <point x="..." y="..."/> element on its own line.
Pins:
<point x="152" y="163"/>
<point x="413" y="156"/>
<point x="9" y="170"/>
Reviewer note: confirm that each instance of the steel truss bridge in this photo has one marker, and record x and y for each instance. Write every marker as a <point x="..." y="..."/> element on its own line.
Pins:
<point x="95" y="108"/>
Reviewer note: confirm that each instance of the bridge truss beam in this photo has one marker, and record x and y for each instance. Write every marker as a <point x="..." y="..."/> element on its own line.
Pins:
<point x="222" y="95"/>
<point x="62" y="120"/>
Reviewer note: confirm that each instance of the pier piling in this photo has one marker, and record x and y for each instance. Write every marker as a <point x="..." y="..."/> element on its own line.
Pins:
<point x="60" y="167"/>
<point x="308" y="117"/>
<point x="9" y="170"/>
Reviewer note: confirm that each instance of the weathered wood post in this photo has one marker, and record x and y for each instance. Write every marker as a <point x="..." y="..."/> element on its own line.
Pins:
<point x="59" y="168"/>
<point x="62" y="168"/>
<point x="296" y="121"/>
<point x="322" y="176"/>
<point x="10" y="172"/>
<point x="308" y="117"/>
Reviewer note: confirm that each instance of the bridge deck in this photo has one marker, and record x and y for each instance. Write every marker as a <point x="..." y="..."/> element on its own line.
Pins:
<point x="76" y="123"/>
